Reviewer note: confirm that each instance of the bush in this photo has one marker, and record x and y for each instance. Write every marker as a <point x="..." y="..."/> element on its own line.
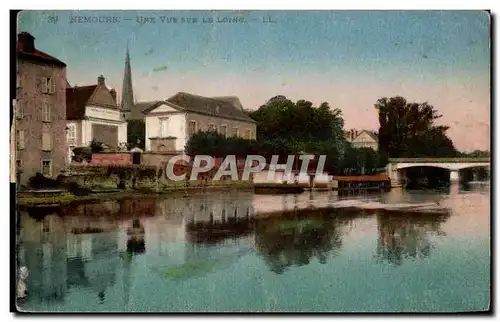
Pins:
<point x="39" y="181"/>
<point x="96" y="146"/>
<point x="81" y="154"/>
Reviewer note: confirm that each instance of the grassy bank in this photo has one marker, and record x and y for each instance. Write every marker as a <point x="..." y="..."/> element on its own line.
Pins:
<point x="140" y="192"/>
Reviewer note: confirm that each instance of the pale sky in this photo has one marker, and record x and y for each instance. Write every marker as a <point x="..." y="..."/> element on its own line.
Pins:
<point x="347" y="58"/>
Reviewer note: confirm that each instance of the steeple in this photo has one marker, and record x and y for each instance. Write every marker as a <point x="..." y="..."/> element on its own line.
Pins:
<point x="127" y="90"/>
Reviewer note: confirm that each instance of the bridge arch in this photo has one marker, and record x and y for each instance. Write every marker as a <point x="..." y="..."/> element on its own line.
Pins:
<point x="397" y="167"/>
<point x="423" y="165"/>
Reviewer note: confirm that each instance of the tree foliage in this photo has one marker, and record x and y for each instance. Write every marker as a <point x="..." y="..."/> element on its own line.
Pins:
<point x="136" y="134"/>
<point x="477" y="154"/>
<point x="96" y="146"/>
<point x="408" y="130"/>
<point x="285" y="127"/>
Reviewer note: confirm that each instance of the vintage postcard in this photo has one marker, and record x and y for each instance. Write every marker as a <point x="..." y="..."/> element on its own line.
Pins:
<point x="251" y="161"/>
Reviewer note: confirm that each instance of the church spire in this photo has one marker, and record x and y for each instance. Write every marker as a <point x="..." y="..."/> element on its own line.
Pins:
<point x="127" y="90"/>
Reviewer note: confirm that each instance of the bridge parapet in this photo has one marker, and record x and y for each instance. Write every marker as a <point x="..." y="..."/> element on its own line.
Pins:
<point x="439" y="160"/>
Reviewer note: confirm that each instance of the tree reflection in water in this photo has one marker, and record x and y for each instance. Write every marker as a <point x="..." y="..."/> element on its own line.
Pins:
<point x="285" y="242"/>
<point x="406" y="235"/>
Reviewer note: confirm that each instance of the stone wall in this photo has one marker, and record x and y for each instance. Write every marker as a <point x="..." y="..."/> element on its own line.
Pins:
<point x="124" y="158"/>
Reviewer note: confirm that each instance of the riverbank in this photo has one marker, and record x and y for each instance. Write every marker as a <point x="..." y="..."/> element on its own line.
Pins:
<point x="115" y="194"/>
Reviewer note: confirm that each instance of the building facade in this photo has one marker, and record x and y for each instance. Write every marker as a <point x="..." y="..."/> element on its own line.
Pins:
<point x="93" y="114"/>
<point x="40" y="116"/>
<point x="171" y="123"/>
<point x="362" y="139"/>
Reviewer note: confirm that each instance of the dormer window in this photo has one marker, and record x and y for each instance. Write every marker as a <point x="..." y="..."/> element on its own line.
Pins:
<point x="217" y="109"/>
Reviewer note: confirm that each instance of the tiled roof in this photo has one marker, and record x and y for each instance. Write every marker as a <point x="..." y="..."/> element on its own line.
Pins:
<point x="36" y="55"/>
<point x="140" y="108"/>
<point x="226" y="107"/>
<point x="76" y="100"/>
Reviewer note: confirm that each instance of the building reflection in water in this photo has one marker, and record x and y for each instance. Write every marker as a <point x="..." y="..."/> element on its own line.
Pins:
<point x="78" y="247"/>
<point x="407" y="235"/>
<point x="43" y="253"/>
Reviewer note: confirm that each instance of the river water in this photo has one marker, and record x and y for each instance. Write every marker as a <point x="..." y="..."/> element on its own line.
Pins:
<point x="217" y="252"/>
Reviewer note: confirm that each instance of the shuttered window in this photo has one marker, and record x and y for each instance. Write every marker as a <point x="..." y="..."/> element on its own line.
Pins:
<point x="223" y="130"/>
<point x="47" y="168"/>
<point x="71" y="131"/>
<point x="48" y="85"/>
<point x="45" y="85"/>
<point x="46" y="112"/>
<point x="20" y="139"/>
<point x="163" y="127"/>
<point x="19" y="109"/>
<point x="46" y="141"/>
<point x="52" y="84"/>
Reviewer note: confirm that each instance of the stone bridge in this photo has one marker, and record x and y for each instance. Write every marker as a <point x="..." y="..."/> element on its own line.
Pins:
<point x="395" y="167"/>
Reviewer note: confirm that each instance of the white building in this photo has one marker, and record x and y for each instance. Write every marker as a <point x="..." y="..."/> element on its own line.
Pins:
<point x="362" y="139"/>
<point x="170" y="123"/>
<point x="92" y="113"/>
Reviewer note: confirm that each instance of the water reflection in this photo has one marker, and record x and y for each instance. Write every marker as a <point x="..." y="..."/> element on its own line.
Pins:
<point x="97" y="250"/>
<point x="314" y="234"/>
<point x="406" y="235"/>
<point x="43" y="253"/>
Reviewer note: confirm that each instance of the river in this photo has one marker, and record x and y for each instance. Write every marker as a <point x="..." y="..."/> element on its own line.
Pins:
<point x="215" y="252"/>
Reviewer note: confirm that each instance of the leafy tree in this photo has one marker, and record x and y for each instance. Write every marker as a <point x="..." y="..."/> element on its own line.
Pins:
<point x="136" y="134"/>
<point x="408" y="130"/>
<point x="285" y="127"/>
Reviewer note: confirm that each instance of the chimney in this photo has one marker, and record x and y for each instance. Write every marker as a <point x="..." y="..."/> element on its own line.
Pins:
<point x="113" y="93"/>
<point x="100" y="80"/>
<point x="27" y="42"/>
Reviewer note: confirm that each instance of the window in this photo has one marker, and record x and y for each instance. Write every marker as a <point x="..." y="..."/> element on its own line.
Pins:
<point x="48" y="85"/>
<point x="20" y="139"/>
<point x="192" y="127"/>
<point x="223" y="130"/>
<point x="45" y="84"/>
<point x="47" y="168"/>
<point x="235" y="131"/>
<point x="18" y="81"/>
<point x="71" y="132"/>
<point x="46" y="141"/>
<point x="45" y="112"/>
<point x="163" y="127"/>
<point x="19" y="109"/>
<point x="18" y="164"/>
<point x="211" y="127"/>
<point x="248" y="134"/>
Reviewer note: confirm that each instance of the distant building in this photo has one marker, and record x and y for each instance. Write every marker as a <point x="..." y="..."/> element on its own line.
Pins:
<point x="171" y="123"/>
<point x="93" y="114"/>
<point x="40" y="116"/>
<point x="362" y="139"/>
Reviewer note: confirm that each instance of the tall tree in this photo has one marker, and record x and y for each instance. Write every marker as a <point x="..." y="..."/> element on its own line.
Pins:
<point x="408" y="130"/>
